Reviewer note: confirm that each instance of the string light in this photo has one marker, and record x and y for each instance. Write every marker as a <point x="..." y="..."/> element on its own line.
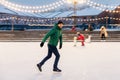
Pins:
<point x="103" y="7"/>
<point x="35" y="9"/>
<point x="46" y="8"/>
<point x="100" y="5"/>
<point x="113" y="11"/>
<point x="53" y="19"/>
<point x="32" y="9"/>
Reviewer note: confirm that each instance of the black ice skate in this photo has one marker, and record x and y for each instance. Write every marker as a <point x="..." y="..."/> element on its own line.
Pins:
<point x="57" y="70"/>
<point x="39" y="67"/>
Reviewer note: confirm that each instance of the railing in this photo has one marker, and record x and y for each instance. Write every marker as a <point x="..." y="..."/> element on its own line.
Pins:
<point x="67" y="35"/>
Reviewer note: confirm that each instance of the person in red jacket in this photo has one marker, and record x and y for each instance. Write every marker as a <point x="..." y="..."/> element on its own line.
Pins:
<point x="79" y="37"/>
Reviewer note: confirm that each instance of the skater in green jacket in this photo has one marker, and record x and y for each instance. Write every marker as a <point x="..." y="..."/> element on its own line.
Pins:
<point x="55" y="36"/>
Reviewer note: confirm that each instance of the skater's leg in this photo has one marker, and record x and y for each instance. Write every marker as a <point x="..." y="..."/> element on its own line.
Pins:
<point x="102" y="37"/>
<point x="47" y="57"/>
<point x="89" y="38"/>
<point x="82" y="42"/>
<point x="57" y="57"/>
<point x="75" y="41"/>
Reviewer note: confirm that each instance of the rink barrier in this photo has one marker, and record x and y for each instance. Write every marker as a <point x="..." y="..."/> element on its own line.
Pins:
<point x="36" y="36"/>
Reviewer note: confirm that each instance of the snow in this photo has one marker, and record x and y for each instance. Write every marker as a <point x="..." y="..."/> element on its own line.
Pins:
<point x="94" y="61"/>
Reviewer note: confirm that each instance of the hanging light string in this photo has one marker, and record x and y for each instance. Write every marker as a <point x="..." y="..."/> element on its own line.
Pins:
<point x="54" y="19"/>
<point x="52" y="6"/>
<point x="32" y="9"/>
<point x="107" y="8"/>
<point x="46" y="8"/>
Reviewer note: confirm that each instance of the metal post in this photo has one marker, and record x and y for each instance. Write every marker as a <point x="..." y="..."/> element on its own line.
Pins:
<point x="106" y="21"/>
<point x="75" y="11"/>
<point x="12" y="23"/>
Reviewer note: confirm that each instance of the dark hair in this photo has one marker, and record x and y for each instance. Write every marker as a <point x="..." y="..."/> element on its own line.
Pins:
<point x="60" y="22"/>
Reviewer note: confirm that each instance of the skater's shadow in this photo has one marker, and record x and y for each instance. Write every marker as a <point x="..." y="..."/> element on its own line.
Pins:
<point x="47" y="76"/>
<point x="55" y="76"/>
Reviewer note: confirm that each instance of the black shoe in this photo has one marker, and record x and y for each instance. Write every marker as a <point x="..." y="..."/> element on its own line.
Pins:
<point x="57" y="70"/>
<point x="39" y="67"/>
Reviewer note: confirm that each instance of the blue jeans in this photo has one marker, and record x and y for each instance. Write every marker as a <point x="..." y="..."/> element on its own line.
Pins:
<point x="51" y="49"/>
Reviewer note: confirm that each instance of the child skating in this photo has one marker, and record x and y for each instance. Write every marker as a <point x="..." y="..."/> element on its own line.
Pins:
<point x="80" y="37"/>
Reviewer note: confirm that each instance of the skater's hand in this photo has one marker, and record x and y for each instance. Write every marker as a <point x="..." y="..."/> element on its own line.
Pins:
<point x="60" y="46"/>
<point x="41" y="44"/>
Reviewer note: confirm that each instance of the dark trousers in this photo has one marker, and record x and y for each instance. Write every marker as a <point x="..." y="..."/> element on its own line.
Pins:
<point x="51" y="49"/>
<point x="103" y="37"/>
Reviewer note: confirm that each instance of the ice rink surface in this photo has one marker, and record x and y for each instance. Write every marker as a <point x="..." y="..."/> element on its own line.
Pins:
<point x="94" y="61"/>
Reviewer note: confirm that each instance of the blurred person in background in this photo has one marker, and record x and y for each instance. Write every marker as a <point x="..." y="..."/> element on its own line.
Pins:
<point x="79" y="37"/>
<point x="103" y="33"/>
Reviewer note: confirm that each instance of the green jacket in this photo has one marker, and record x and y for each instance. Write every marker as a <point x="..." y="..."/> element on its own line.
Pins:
<point x="55" y="35"/>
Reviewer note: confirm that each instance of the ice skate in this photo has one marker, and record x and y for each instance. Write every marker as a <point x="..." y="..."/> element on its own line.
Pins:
<point x="82" y="45"/>
<point x="75" y="45"/>
<point x="39" y="67"/>
<point x="57" y="70"/>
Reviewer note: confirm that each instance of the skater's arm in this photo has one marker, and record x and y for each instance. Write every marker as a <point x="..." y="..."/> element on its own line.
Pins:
<point x="60" y="40"/>
<point x="51" y="32"/>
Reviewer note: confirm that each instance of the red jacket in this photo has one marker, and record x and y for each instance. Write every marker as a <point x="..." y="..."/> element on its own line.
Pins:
<point x="80" y="37"/>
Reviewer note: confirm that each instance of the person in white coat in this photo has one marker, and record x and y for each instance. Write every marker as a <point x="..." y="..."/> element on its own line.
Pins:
<point x="103" y="33"/>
